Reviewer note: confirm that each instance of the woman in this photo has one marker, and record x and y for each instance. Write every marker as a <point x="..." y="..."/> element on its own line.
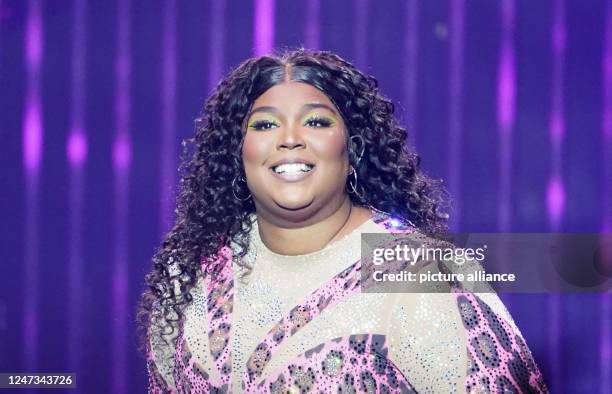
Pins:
<point x="256" y="288"/>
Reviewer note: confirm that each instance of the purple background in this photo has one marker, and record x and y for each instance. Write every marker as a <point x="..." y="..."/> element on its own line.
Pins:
<point x="510" y="102"/>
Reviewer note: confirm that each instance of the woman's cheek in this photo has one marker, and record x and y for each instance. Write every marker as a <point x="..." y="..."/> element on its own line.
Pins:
<point x="332" y="146"/>
<point x="254" y="150"/>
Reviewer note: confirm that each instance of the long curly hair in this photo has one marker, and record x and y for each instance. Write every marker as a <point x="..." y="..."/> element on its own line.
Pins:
<point x="208" y="214"/>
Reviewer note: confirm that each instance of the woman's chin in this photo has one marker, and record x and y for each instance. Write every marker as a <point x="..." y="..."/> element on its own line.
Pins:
<point x="294" y="205"/>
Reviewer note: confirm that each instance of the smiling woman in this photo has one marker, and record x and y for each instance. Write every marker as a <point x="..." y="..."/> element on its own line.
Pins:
<point x="296" y="163"/>
<point x="257" y="286"/>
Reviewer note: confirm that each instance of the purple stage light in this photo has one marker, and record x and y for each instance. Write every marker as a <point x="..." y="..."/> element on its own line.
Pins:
<point x="506" y="81"/>
<point x="605" y="342"/>
<point x="76" y="151"/>
<point x="264" y="26"/>
<point x="558" y="28"/>
<point x="555" y="199"/>
<point x="122" y="157"/>
<point x="77" y="148"/>
<point x="32" y="133"/>
<point x="217" y="42"/>
<point x="32" y="129"/>
<point x="34" y="42"/>
<point x="555" y="193"/>
<point x="457" y="20"/>
<point x="122" y="153"/>
<point x="557" y="128"/>
<point x="606" y="132"/>
<point x="168" y="113"/>
<point x="506" y="88"/>
<point x="506" y="103"/>
<point x="32" y="122"/>
<point x="360" y="38"/>
<point x="410" y="60"/>
<point x="313" y="24"/>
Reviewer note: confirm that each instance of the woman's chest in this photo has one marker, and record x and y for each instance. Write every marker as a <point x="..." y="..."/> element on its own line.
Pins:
<point x="279" y="334"/>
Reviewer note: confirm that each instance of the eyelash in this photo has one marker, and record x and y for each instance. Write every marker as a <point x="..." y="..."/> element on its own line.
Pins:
<point x="324" y="122"/>
<point x="260" y="125"/>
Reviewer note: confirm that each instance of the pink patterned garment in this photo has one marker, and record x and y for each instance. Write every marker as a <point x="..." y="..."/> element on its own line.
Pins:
<point x="499" y="360"/>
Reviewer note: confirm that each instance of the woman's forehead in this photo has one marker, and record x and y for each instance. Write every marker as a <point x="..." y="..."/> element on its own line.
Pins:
<point x="292" y="93"/>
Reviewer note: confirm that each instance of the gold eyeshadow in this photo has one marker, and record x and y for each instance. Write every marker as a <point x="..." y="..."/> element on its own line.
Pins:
<point x="258" y="123"/>
<point x="323" y="121"/>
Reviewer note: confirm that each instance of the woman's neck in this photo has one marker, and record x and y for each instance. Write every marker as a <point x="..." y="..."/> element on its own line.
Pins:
<point x="313" y="237"/>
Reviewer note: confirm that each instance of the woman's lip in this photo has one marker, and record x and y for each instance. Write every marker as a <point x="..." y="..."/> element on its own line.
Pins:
<point x="293" y="177"/>
<point x="291" y="161"/>
<point x="272" y="167"/>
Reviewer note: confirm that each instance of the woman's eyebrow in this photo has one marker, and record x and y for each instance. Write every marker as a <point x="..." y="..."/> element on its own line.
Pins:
<point x="305" y="108"/>
<point x="311" y="106"/>
<point x="265" y="108"/>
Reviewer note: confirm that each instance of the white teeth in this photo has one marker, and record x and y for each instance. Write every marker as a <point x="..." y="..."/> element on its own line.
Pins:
<point x="292" y="168"/>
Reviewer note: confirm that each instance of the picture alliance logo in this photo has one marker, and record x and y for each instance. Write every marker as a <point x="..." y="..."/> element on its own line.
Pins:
<point x="412" y="255"/>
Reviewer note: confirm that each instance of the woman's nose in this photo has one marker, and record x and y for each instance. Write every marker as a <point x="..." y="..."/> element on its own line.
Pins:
<point x="290" y="137"/>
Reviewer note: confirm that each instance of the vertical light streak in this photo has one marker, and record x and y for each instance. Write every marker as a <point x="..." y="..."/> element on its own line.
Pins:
<point x="606" y="225"/>
<point x="555" y="198"/>
<point x="76" y="152"/>
<point x="168" y="114"/>
<point x="3" y="306"/>
<point x="360" y="45"/>
<point x="556" y="189"/>
<point x="607" y="122"/>
<point x="263" y="26"/>
<point x="32" y="155"/>
<point x="410" y="59"/>
<point x="217" y="43"/>
<point x="122" y="153"/>
<point x="313" y="24"/>
<point x="506" y="104"/>
<point x="457" y="17"/>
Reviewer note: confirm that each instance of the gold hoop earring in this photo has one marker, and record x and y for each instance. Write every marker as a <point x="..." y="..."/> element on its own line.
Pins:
<point x="353" y="185"/>
<point x="234" y="190"/>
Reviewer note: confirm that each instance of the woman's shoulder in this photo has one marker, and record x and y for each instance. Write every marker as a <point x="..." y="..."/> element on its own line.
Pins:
<point x="473" y="332"/>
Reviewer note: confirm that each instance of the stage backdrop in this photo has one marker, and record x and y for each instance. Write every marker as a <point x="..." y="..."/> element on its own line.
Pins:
<point x="510" y="102"/>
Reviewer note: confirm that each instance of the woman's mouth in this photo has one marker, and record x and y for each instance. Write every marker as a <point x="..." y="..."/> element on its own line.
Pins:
<point x="292" y="172"/>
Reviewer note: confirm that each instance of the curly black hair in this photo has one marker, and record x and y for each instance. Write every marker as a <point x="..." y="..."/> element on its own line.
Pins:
<point x="208" y="214"/>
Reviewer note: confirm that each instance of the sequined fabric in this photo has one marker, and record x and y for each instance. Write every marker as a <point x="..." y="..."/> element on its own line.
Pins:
<point x="301" y="324"/>
<point x="499" y="360"/>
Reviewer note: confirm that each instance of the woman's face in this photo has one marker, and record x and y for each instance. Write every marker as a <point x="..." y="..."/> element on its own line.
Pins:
<point x="294" y="151"/>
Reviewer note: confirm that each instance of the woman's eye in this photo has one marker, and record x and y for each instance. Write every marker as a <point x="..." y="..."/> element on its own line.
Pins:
<point x="319" y="122"/>
<point x="262" y="125"/>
